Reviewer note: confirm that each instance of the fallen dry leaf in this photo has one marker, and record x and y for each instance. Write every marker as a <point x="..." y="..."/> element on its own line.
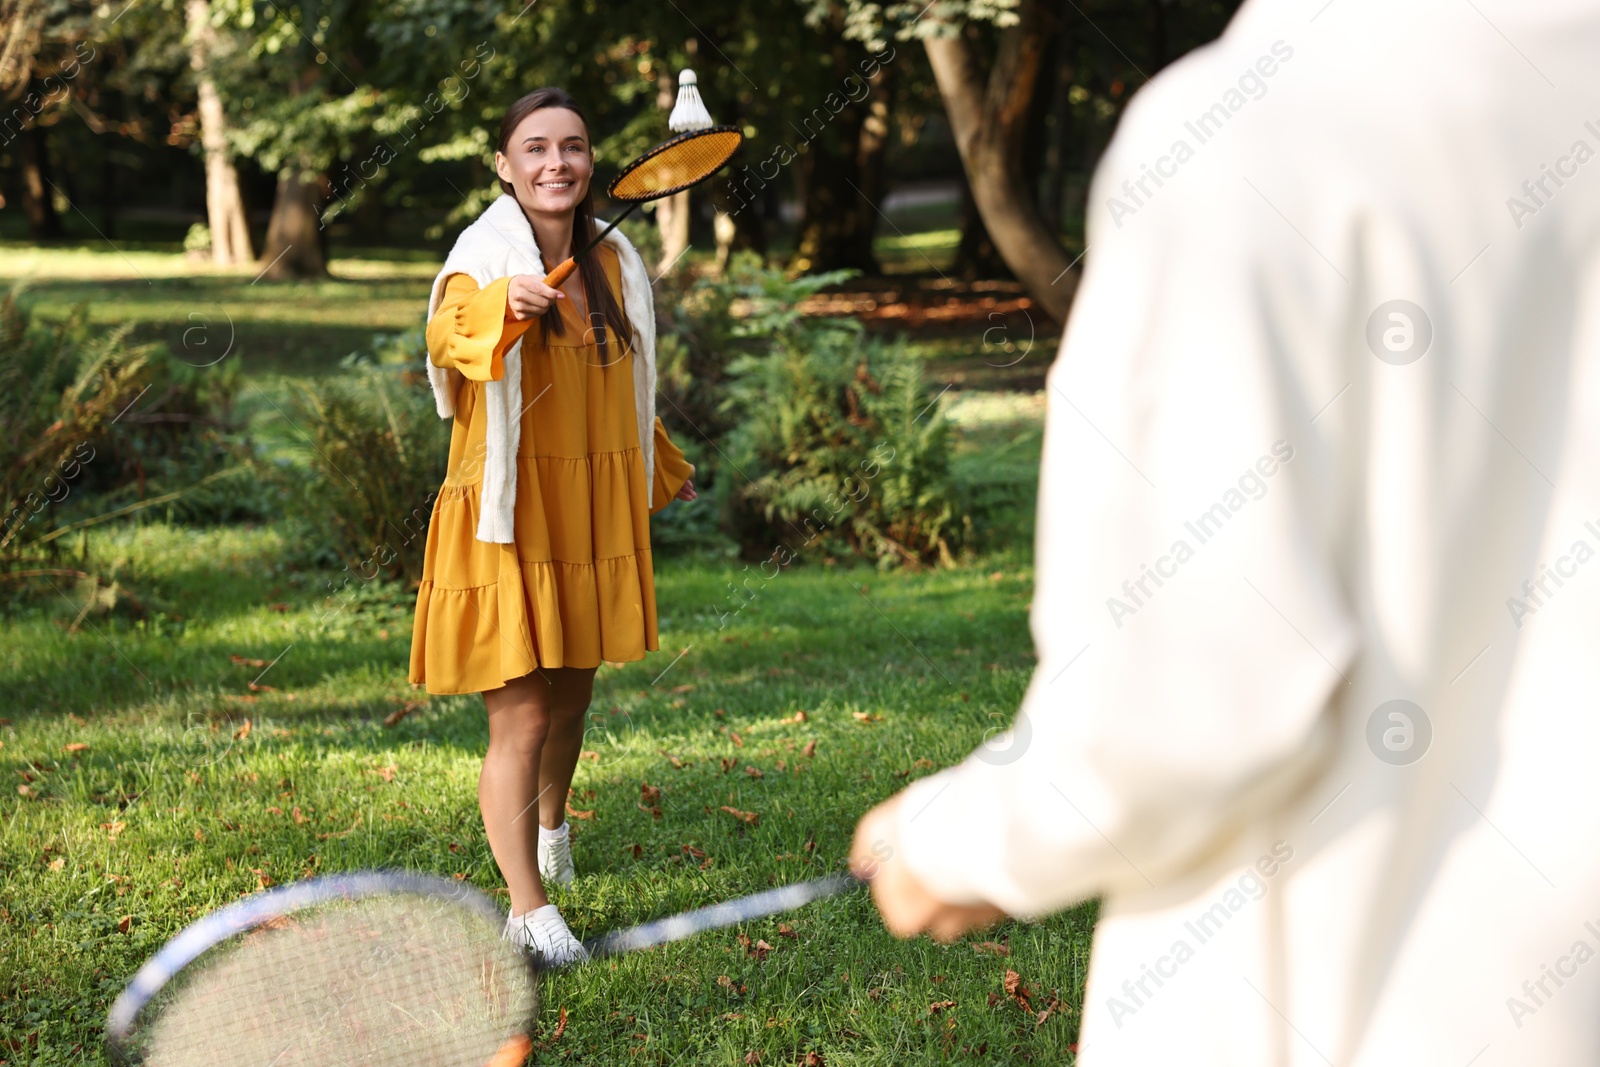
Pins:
<point x="401" y="712"/>
<point x="751" y="1057"/>
<point x="124" y="924"/>
<point x="810" y="749"/>
<point x="242" y="732"/>
<point x="697" y="854"/>
<point x="340" y="833"/>
<point x="992" y="948"/>
<point x="1018" y="990"/>
<point x="785" y="930"/>
<point x="386" y="773"/>
<point x="728" y="764"/>
<point x="74" y="746"/>
<point x="754" y="772"/>
<point x="637" y="850"/>
<point x="799" y="716"/>
<point x="595" y="756"/>
<point x="738" y="742"/>
<point x="760" y="949"/>
<point x="866" y="716"/>
<point x="649" y="793"/>
<point x="684" y="688"/>
<point x="576" y="814"/>
<point x="655" y="812"/>
<point x="751" y="817"/>
<point x="254" y="688"/>
<point x="940" y="1005"/>
<point x="561" y="1028"/>
<point x="57" y="863"/>
<point x="245" y="661"/>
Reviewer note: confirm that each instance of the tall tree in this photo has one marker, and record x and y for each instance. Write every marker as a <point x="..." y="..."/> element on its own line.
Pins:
<point x="988" y="113"/>
<point x="42" y="49"/>
<point x="230" y="232"/>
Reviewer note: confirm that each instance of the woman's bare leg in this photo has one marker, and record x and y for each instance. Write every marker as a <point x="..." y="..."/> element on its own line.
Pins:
<point x="569" y="703"/>
<point x="519" y="720"/>
<point x="534" y="734"/>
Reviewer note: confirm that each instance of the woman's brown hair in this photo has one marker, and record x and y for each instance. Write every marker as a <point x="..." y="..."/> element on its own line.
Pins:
<point x="603" y="300"/>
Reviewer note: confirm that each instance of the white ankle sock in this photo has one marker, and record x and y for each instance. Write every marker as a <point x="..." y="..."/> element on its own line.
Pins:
<point x="546" y="911"/>
<point x="551" y="835"/>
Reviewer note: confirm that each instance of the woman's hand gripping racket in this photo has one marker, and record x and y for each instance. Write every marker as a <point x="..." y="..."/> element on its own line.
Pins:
<point x="369" y="967"/>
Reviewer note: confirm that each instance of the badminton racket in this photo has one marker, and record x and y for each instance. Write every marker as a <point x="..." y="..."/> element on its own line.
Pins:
<point x="670" y="167"/>
<point x="368" y="967"/>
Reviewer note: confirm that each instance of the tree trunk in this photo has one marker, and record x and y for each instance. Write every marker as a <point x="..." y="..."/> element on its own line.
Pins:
<point x="43" y="222"/>
<point x="672" y="219"/>
<point x="976" y="255"/>
<point x="988" y="117"/>
<point x="294" y="238"/>
<point x="672" y="212"/>
<point x="872" y="147"/>
<point x="842" y="187"/>
<point x="230" y="234"/>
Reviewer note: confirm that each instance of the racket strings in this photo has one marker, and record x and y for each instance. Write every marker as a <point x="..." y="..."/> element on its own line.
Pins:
<point x="362" y="983"/>
<point x="681" y="163"/>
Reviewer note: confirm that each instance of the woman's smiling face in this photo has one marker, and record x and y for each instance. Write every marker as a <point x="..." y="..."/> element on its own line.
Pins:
<point x="547" y="161"/>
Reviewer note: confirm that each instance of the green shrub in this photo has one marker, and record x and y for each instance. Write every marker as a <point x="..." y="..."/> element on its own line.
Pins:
<point x="61" y="388"/>
<point x="836" y="441"/>
<point x="183" y="436"/>
<point x="377" y="458"/>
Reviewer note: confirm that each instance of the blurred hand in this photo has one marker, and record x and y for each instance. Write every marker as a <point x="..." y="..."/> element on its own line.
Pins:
<point x="687" y="492"/>
<point x="528" y="297"/>
<point x="907" y="907"/>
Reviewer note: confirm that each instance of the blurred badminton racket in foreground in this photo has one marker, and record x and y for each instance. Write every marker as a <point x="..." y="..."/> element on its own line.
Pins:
<point x="369" y="967"/>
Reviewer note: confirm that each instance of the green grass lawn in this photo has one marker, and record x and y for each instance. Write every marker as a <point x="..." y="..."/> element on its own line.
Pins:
<point x="173" y="808"/>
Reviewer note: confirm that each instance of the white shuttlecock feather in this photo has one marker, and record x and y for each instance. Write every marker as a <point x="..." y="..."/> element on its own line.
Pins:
<point x="689" y="113"/>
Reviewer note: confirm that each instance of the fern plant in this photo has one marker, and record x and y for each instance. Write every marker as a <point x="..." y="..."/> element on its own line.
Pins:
<point x="837" y="442"/>
<point x="61" y="389"/>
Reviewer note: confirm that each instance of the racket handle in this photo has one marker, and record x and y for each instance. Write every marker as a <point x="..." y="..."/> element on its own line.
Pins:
<point x="561" y="273"/>
<point x="513" y="1053"/>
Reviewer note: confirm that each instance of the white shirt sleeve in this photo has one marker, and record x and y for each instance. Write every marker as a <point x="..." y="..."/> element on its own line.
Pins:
<point x="1191" y="628"/>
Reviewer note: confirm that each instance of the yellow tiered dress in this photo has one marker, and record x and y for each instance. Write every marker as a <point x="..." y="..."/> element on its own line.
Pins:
<point x="576" y="586"/>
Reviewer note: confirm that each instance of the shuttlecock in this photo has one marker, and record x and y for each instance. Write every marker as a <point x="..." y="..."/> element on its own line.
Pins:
<point x="689" y="113"/>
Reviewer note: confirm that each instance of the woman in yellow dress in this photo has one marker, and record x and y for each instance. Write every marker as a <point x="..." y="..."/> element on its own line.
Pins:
<point x="527" y="623"/>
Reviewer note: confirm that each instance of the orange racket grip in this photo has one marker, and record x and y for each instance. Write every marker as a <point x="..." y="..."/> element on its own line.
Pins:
<point x="562" y="272"/>
<point x="514" y="1053"/>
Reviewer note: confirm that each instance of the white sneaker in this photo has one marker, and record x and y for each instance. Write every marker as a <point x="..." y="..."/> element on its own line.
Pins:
<point x="544" y="932"/>
<point x="555" y="856"/>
